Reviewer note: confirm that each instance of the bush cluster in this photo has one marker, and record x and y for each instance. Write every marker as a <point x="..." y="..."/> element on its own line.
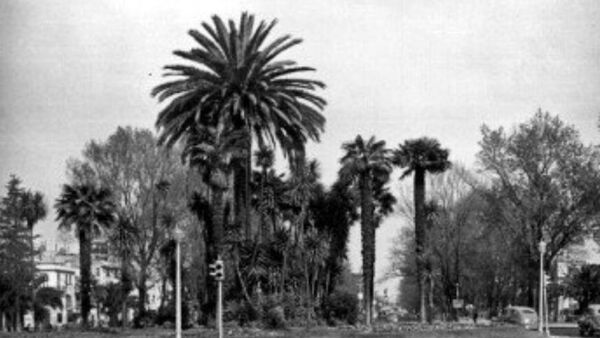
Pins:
<point x="340" y="306"/>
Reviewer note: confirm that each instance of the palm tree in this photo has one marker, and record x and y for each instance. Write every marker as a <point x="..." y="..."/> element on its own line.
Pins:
<point x="90" y="209"/>
<point x="368" y="164"/>
<point x="34" y="210"/>
<point x="234" y="79"/>
<point x="264" y="158"/>
<point x="420" y="156"/>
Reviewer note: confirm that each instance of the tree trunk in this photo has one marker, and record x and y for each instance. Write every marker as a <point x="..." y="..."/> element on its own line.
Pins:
<point x="124" y="292"/>
<point x="214" y="236"/>
<point x="142" y="294"/>
<point x="368" y="244"/>
<point x="247" y="195"/>
<point x="419" y="199"/>
<point x="283" y="271"/>
<point x="18" y="316"/>
<point x="218" y="221"/>
<point x="85" y="265"/>
<point x="430" y="297"/>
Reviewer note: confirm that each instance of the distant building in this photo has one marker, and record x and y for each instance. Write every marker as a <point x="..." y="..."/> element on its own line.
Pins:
<point x="61" y="269"/>
<point x="572" y="258"/>
<point x="62" y="278"/>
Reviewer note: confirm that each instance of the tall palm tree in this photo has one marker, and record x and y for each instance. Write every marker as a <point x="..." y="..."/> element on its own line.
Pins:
<point x="420" y="156"/>
<point x="34" y="210"/>
<point x="90" y="209"/>
<point x="232" y="76"/>
<point x="368" y="164"/>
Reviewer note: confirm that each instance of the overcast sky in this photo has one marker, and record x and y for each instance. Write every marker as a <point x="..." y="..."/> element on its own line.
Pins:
<point x="71" y="71"/>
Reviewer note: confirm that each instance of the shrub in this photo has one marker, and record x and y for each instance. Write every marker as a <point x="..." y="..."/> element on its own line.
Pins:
<point x="167" y="314"/>
<point x="274" y="318"/>
<point x="342" y="306"/>
<point x="240" y="311"/>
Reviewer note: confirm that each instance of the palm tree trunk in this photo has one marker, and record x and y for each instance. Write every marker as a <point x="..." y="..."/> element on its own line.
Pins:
<point x="85" y="265"/>
<point x="419" y="199"/>
<point x="218" y="221"/>
<point x="247" y="195"/>
<point x="368" y="244"/>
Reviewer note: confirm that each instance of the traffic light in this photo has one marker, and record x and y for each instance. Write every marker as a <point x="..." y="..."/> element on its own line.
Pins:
<point x="216" y="270"/>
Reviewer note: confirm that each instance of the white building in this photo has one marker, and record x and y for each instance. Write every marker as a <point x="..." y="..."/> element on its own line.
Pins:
<point x="62" y="278"/>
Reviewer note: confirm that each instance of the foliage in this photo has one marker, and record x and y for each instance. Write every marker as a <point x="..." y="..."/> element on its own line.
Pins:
<point x="546" y="185"/>
<point x="20" y="209"/>
<point x="234" y="78"/>
<point x="583" y="284"/>
<point x="342" y="306"/>
<point x="148" y="184"/>
<point x="167" y="314"/>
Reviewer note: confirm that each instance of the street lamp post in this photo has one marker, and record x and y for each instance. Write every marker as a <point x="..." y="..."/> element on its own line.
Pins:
<point x="542" y="248"/>
<point x="178" y="234"/>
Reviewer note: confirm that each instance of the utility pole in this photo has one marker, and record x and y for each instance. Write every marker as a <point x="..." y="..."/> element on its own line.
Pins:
<point x="178" y="238"/>
<point x="546" y="308"/>
<point x="216" y="270"/>
<point x="542" y="248"/>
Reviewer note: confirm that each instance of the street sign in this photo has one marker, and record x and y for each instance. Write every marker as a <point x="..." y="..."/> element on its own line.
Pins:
<point x="457" y="303"/>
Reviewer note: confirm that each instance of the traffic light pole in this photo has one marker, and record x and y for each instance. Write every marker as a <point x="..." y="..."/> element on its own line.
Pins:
<point x="178" y="292"/>
<point x="217" y="271"/>
<point x="220" y="307"/>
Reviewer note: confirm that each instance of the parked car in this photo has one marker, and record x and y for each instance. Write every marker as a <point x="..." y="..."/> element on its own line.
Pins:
<point x="521" y="315"/>
<point x="589" y="322"/>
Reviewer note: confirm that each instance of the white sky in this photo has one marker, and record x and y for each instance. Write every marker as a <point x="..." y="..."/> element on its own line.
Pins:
<point x="71" y="71"/>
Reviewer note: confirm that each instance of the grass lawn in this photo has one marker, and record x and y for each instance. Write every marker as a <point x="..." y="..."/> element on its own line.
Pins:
<point x="502" y="332"/>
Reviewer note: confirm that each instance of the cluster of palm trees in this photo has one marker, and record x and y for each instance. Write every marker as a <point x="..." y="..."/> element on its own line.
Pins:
<point x="234" y="95"/>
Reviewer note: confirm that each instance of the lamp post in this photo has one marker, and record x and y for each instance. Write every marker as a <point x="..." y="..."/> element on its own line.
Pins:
<point x="179" y="235"/>
<point x="542" y="248"/>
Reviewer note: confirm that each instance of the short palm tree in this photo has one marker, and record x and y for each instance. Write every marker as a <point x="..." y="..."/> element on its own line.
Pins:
<point x="418" y="157"/>
<point x="368" y="164"/>
<point x="90" y="209"/>
<point x="233" y="78"/>
<point x="34" y="210"/>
